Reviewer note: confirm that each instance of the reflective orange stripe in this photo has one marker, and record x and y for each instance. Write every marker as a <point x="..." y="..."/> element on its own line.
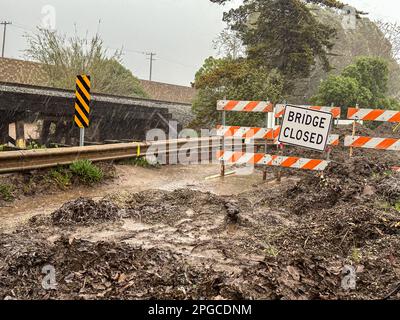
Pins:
<point x="231" y="104"/>
<point x="395" y="118"/>
<point x="289" y="162"/>
<point x="386" y="143"/>
<point x="360" y="141"/>
<point x="351" y="112"/>
<point x="312" y="164"/>
<point x="236" y="156"/>
<point x="251" y="105"/>
<point x="251" y="133"/>
<point x="256" y="158"/>
<point x="231" y="131"/>
<point x="269" y="108"/>
<point x="336" y="112"/>
<point x="373" y="115"/>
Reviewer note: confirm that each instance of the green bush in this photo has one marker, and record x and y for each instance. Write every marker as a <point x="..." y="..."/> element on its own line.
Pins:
<point x="365" y="82"/>
<point x="86" y="171"/>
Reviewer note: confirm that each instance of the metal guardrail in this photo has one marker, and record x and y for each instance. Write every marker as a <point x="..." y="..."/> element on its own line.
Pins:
<point x="13" y="161"/>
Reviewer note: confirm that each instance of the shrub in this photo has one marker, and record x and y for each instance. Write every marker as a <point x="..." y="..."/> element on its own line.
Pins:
<point x="86" y="171"/>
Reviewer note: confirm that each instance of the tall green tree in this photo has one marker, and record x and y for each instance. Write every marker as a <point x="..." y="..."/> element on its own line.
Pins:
<point x="63" y="58"/>
<point x="234" y="79"/>
<point x="364" y="82"/>
<point x="371" y="73"/>
<point x="283" y="34"/>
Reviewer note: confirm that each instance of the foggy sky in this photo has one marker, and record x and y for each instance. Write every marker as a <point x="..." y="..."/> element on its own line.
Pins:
<point x="179" y="31"/>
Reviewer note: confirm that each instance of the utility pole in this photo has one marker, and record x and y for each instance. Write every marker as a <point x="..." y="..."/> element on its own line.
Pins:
<point x="4" y="23"/>
<point x="151" y="54"/>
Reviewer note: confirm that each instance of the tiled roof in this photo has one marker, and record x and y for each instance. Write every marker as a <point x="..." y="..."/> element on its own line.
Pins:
<point x="31" y="73"/>
<point x="168" y="92"/>
<point x="20" y="71"/>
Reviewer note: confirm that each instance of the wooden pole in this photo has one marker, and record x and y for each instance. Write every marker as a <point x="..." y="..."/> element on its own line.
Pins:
<point x="265" y="149"/>
<point x="223" y="143"/>
<point x="353" y="134"/>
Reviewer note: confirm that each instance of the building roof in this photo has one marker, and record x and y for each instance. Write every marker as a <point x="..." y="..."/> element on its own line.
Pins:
<point x="168" y="92"/>
<point x="32" y="73"/>
<point x="20" y="71"/>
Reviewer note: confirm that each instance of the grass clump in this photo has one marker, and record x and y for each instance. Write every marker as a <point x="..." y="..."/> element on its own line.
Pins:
<point x="356" y="255"/>
<point x="86" y="171"/>
<point x="138" y="162"/>
<point x="6" y="192"/>
<point x="271" y="251"/>
<point x="61" y="177"/>
<point x="33" y="145"/>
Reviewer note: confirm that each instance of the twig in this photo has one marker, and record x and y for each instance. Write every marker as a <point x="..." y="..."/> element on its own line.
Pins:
<point x="393" y="292"/>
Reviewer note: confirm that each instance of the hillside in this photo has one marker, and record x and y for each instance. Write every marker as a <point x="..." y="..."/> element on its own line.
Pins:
<point x="365" y="40"/>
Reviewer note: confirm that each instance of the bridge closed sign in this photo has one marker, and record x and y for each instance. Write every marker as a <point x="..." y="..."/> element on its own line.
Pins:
<point x="305" y="128"/>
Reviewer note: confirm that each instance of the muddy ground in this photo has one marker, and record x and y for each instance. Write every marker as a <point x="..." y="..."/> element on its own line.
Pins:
<point x="300" y="239"/>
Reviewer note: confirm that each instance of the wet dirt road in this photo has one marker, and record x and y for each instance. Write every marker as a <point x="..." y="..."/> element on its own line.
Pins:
<point x="132" y="179"/>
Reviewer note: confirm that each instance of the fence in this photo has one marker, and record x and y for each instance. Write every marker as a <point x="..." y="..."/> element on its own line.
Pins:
<point x="354" y="141"/>
<point x="249" y="134"/>
<point x="271" y="133"/>
<point x="242" y="132"/>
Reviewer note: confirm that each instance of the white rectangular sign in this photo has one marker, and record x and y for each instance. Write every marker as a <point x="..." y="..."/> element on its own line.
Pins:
<point x="305" y="128"/>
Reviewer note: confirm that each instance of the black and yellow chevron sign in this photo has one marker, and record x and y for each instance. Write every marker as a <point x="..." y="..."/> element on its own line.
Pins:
<point x="82" y="101"/>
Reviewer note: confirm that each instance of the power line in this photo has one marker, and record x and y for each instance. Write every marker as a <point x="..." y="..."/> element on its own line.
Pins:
<point x="23" y="27"/>
<point x="4" y="23"/>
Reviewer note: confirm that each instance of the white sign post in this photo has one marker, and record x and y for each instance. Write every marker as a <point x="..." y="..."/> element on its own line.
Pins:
<point x="305" y="128"/>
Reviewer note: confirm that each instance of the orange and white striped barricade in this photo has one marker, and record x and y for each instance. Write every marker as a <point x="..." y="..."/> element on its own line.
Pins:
<point x="372" y="143"/>
<point x="358" y="114"/>
<point x="373" y="115"/>
<point x="237" y="157"/>
<point x="247" y="133"/>
<point x="239" y="132"/>
<point x="245" y="106"/>
<point x="252" y="133"/>
<point x="336" y="111"/>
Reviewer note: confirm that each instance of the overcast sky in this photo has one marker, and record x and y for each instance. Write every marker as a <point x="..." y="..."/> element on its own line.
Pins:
<point x="179" y="31"/>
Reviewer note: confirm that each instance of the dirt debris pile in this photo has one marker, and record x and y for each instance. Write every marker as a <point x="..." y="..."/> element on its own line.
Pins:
<point x="354" y="179"/>
<point x="85" y="211"/>
<point x="102" y="270"/>
<point x="156" y="206"/>
<point x="296" y="275"/>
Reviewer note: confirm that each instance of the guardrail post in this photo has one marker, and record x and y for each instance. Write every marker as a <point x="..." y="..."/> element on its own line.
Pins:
<point x="81" y="137"/>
